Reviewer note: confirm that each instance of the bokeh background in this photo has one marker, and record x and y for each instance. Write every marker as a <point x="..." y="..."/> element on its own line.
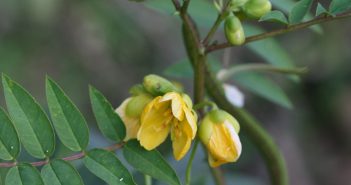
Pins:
<point x="112" y="44"/>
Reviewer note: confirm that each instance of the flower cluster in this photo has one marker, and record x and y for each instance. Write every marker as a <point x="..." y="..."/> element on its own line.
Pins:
<point x="158" y="108"/>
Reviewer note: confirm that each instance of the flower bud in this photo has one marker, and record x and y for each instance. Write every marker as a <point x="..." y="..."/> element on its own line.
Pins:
<point x="157" y="85"/>
<point x="235" y="5"/>
<point x="257" y="8"/>
<point x="219" y="133"/>
<point x="136" y="105"/>
<point x="234" y="31"/>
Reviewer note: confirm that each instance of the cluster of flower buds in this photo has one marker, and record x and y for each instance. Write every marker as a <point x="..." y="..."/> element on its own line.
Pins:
<point x="239" y="10"/>
<point x="157" y="107"/>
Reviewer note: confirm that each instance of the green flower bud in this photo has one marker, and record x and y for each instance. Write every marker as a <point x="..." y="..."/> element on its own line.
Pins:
<point x="235" y="5"/>
<point x="257" y="8"/>
<point x="136" y="105"/>
<point x="234" y="31"/>
<point x="137" y="89"/>
<point x="157" y="85"/>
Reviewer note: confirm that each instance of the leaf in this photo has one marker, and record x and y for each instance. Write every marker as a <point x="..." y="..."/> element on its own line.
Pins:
<point x="106" y="165"/>
<point x="321" y="10"/>
<point x="287" y="5"/>
<point x="109" y="122"/>
<point x="9" y="142"/>
<point x="23" y="174"/>
<point x="264" y="87"/>
<point x="270" y="50"/>
<point x="275" y="16"/>
<point x="149" y="162"/>
<point x="203" y="12"/>
<point x="60" y="172"/>
<point x="183" y="69"/>
<point x="69" y="123"/>
<point x="339" y="6"/>
<point x="32" y="124"/>
<point x="299" y="11"/>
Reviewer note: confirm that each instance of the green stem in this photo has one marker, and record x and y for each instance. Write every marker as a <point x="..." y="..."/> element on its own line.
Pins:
<point x="190" y="162"/>
<point x="218" y="174"/>
<point x="148" y="180"/>
<point x="204" y="104"/>
<point x="227" y="73"/>
<point x="213" y="30"/>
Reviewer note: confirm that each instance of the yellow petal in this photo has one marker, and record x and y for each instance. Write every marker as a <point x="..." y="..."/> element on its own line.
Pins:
<point x="224" y="144"/>
<point x="132" y="124"/>
<point x="189" y="123"/>
<point x="154" y="124"/>
<point x="177" y="104"/>
<point x="180" y="142"/>
<point x="215" y="162"/>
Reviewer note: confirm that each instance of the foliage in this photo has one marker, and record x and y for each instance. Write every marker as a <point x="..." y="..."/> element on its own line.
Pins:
<point x="28" y="124"/>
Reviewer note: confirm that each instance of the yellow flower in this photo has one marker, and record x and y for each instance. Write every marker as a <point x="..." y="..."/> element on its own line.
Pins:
<point x="169" y="113"/>
<point x="130" y="111"/>
<point x="219" y="132"/>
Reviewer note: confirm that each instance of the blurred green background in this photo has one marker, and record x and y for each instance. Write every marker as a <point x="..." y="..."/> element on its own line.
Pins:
<point x="112" y="44"/>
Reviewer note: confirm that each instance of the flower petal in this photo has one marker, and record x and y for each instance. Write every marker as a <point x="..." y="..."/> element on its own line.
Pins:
<point x="132" y="124"/>
<point x="177" y="104"/>
<point x="155" y="124"/>
<point x="215" y="162"/>
<point x="180" y="142"/>
<point x="189" y="123"/>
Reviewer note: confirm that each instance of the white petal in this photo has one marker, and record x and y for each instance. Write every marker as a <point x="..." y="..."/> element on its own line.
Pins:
<point x="235" y="138"/>
<point x="234" y="95"/>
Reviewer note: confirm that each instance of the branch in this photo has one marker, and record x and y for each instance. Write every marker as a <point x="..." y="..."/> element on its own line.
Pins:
<point x="69" y="158"/>
<point x="281" y="31"/>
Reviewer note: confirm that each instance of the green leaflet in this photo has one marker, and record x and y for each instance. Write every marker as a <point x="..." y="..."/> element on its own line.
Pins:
<point x="275" y="16"/>
<point x="23" y="174"/>
<point x="9" y="142"/>
<point x="32" y="124"/>
<point x="106" y="165"/>
<point x="149" y="162"/>
<point x="203" y="12"/>
<point x="299" y="11"/>
<point x="264" y="87"/>
<point x="339" y="6"/>
<point x="270" y="50"/>
<point x="287" y="5"/>
<point x="60" y="172"/>
<point x="183" y="69"/>
<point x="109" y="122"/>
<point x="321" y="10"/>
<point x="69" y="123"/>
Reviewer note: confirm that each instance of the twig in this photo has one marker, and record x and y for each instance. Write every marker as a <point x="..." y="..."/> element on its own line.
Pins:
<point x="69" y="158"/>
<point x="261" y="36"/>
